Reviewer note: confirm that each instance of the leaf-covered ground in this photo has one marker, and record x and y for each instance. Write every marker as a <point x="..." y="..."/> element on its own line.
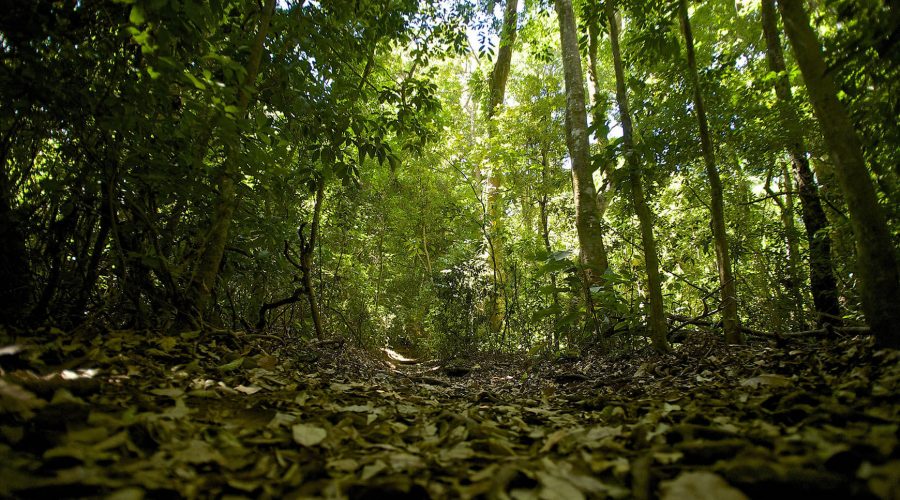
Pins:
<point x="129" y="415"/>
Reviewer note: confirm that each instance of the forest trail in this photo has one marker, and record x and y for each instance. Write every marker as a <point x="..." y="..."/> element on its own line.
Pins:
<point x="246" y="417"/>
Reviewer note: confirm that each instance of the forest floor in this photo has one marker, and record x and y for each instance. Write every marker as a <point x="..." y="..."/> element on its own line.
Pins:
<point x="128" y="415"/>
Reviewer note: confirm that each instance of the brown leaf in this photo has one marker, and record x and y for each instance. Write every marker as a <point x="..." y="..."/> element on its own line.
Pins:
<point x="700" y="485"/>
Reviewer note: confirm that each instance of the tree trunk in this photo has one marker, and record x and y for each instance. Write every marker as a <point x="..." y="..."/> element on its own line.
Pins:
<point x="92" y="270"/>
<point x="545" y="236"/>
<point x="793" y="248"/>
<point x="500" y="73"/>
<point x="587" y="210"/>
<point x="496" y="254"/>
<point x="204" y="277"/>
<point x="657" y="320"/>
<point x="821" y="276"/>
<point x="306" y="254"/>
<point x="601" y="128"/>
<point x="876" y="262"/>
<point x="793" y="281"/>
<point x="730" y="321"/>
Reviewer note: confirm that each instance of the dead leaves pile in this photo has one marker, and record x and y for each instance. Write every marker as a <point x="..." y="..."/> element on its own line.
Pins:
<point x="130" y="415"/>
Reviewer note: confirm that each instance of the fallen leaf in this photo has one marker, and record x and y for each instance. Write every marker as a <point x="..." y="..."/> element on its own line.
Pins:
<point x="199" y="452"/>
<point x="358" y="408"/>
<point x="556" y="488"/>
<point x="405" y="461"/>
<point x="9" y="350"/>
<point x="281" y="419"/>
<point x="234" y="365"/>
<point x="699" y="485"/>
<point x="172" y="392"/>
<point x="372" y="470"/>
<point x="131" y="493"/>
<point x="554" y="438"/>
<point x="343" y="465"/>
<point x="667" y="457"/>
<point x="15" y="399"/>
<point x="766" y="379"/>
<point x="308" y="435"/>
<point x="267" y="362"/>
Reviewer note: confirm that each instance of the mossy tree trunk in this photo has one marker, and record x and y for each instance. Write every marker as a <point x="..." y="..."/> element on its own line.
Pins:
<point x="587" y="210"/>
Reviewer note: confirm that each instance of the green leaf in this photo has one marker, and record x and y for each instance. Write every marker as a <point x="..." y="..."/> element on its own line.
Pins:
<point x="548" y="311"/>
<point x="137" y="16"/>
<point x="394" y="161"/>
<point x="560" y="255"/>
<point x="197" y="83"/>
<point x="234" y="365"/>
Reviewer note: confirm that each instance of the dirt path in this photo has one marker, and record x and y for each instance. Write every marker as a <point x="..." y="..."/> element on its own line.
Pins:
<point x="236" y="419"/>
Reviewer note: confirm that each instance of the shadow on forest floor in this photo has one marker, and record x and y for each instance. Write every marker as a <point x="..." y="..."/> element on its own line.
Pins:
<point x="129" y="415"/>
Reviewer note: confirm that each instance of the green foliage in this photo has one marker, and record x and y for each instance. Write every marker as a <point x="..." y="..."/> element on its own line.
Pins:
<point x="118" y="117"/>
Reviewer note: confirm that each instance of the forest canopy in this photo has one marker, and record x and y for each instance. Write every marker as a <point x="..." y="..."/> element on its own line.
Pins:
<point x="504" y="176"/>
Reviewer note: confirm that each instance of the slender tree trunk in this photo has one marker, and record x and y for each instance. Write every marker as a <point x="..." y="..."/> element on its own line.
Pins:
<point x="378" y="280"/>
<point x="428" y="267"/>
<point x="821" y="276"/>
<point x="793" y="243"/>
<point x="793" y="280"/>
<point x="55" y="253"/>
<point x="204" y="277"/>
<point x="496" y="253"/>
<point x="500" y="73"/>
<point x="92" y="270"/>
<point x="306" y="255"/>
<point x="587" y="210"/>
<point x="601" y="128"/>
<point x="787" y="216"/>
<point x="730" y="320"/>
<point x="657" y="321"/>
<point x="545" y="234"/>
<point x="876" y="262"/>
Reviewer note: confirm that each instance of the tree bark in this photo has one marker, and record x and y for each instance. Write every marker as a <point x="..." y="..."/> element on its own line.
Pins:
<point x="496" y="253"/>
<point x="500" y="73"/>
<point x="730" y="320"/>
<point x="587" y="210"/>
<point x="601" y="128"/>
<point x="545" y="236"/>
<point x="306" y="254"/>
<point x="876" y="261"/>
<point x="794" y="311"/>
<point x="213" y="247"/>
<point x="823" y="284"/>
<point x="657" y="320"/>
